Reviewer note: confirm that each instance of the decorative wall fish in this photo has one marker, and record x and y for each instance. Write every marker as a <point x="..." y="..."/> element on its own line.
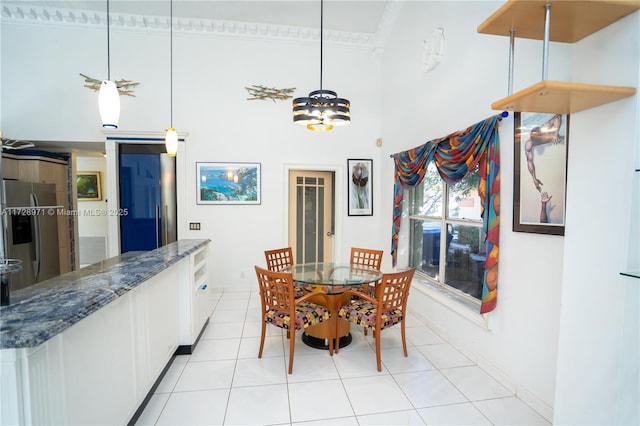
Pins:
<point x="263" y="93"/>
<point x="125" y="87"/>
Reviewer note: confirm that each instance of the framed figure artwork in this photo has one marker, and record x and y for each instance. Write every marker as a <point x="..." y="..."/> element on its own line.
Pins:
<point x="228" y="183"/>
<point x="360" y="187"/>
<point x="88" y="186"/>
<point x="540" y="172"/>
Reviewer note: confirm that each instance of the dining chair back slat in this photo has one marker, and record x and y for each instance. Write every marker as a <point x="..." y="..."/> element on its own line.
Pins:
<point x="394" y="291"/>
<point x="366" y="257"/>
<point x="279" y="258"/>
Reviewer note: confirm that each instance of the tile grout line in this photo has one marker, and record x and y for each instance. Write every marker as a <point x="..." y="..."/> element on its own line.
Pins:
<point x="235" y="365"/>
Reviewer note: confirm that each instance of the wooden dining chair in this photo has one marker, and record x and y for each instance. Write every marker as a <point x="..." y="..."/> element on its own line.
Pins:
<point x="366" y="257"/>
<point x="387" y="308"/>
<point x="282" y="309"/>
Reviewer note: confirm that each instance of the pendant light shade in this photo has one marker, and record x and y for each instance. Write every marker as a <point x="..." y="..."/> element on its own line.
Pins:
<point x="322" y="110"/>
<point x="109" y="98"/>
<point x="171" y="138"/>
<point x="109" y="104"/>
<point x="171" y="142"/>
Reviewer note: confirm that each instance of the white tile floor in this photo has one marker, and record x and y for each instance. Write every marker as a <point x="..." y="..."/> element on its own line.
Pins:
<point x="224" y="382"/>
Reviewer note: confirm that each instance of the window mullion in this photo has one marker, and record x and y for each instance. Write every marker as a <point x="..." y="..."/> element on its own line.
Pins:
<point x="443" y="234"/>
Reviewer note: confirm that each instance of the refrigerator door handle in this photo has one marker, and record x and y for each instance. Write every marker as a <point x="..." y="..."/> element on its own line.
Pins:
<point x="38" y="246"/>
<point x="157" y="218"/>
<point x="165" y="230"/>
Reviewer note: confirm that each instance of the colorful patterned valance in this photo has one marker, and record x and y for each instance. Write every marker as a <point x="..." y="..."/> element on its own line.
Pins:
<point x="454" y="156"/>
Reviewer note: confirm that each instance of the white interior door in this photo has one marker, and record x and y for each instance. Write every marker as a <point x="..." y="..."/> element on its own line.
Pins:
<point x="311" y="215"/>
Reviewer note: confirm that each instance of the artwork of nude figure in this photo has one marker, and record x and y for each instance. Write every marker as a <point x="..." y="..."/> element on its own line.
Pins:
<point x="544" y="153"/>
<point x="549" y="132"/>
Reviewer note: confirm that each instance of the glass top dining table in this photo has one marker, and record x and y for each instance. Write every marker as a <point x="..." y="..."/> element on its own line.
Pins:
<point x="337" y="277"/>
<point x="333" y="278"/>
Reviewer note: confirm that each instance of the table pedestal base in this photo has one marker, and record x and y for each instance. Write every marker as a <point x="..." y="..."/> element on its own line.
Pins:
<point x="318" y="343"/>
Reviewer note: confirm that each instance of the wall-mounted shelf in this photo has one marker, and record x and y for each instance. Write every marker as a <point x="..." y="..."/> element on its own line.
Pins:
<point x="561" y="97"/>
<point x="570" y="21"/>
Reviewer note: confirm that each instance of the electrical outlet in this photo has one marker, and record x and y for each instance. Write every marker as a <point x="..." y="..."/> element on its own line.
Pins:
<point x="194" y="226"/>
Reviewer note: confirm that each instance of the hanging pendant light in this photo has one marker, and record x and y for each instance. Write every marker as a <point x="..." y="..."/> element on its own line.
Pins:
<point x="109" y="98"/>
<point x="322" y="109"/>
<point x="171" y="138"/>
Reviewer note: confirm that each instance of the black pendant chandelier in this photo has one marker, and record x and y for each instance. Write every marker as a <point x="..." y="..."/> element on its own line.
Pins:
<point x="322" y="109"/>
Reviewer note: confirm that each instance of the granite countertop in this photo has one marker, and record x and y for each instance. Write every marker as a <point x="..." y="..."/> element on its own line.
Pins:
<point x="39" y="312"/>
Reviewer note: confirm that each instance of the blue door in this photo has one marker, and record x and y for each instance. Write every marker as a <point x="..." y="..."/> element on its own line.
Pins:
<point x="143" y="172"/>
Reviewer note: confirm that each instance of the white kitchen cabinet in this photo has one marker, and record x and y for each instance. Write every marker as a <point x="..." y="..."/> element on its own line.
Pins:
<point x="99" y="370"/>
<point x="196" y="299"/>
<point x="89" y="346"/>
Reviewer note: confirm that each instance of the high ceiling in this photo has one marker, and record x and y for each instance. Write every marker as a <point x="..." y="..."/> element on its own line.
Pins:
<point x="343" y="15"/>
<point x="375" y="18"/>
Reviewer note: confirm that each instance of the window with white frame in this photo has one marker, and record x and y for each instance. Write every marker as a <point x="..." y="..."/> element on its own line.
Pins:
<point x="446" y="242"/>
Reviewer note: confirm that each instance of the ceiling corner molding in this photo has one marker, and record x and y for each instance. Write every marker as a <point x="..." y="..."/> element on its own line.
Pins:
<point x="47" y="16"/>
<point x="387" y="22"/>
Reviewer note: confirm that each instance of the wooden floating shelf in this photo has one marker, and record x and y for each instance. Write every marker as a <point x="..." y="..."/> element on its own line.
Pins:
<point x="571" y="20"/>
<point x="550" y="96"/>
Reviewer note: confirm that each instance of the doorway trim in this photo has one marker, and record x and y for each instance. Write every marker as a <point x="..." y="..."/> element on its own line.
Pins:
<point x="339" y="173"/>
<point x="112" y="139"/>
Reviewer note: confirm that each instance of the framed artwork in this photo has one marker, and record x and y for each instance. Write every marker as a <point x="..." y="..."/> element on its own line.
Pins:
<point x="89" y="188"/>
<point x="540" y="172"/>
<point x="360" y="192"/>
<point x="228" y="183"/>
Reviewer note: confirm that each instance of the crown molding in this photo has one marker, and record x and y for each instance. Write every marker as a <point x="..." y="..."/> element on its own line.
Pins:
<point x="386" y="24"/>
<point x="14" y="12"/>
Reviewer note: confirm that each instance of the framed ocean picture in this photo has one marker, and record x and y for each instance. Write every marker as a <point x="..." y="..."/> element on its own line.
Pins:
<point x="228" y="183"/>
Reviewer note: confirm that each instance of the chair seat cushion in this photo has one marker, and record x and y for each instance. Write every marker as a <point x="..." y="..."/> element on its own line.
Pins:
<point x="298" y="290"/>
<point x="307" y="314"/>
<point x="364" y="314"/>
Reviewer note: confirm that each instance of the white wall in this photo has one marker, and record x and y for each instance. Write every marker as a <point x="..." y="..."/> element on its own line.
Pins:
<point x="598" y="377"/>
<point x="92" y="215"/>
<point x="519" y="343"/>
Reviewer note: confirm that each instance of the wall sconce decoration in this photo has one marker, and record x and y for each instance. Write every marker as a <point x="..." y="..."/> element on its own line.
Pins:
<point x="263" y="93"/>
<point x="433" y="50"/>
<point x="125" y="87"/>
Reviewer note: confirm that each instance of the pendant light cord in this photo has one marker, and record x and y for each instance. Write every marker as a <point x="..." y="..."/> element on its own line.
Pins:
<point x="108" y="46"/>
<point x="171" y="62"/>
<point x="321" y="38"/>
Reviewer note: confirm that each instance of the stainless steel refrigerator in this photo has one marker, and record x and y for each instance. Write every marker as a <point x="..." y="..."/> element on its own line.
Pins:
<point x="31" y="231"/>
